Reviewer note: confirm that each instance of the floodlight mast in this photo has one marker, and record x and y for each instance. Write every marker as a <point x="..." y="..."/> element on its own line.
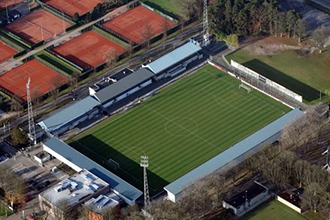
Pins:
<point x="145" y="163"/>
<point x="32" y="131"/>
<point x="206" y="35"/>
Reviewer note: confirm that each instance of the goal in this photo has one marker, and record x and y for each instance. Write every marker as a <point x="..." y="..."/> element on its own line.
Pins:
<point x="244" y="86"/>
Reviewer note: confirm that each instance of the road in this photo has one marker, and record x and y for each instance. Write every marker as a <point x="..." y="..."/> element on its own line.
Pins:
<point x="82" y="91"/>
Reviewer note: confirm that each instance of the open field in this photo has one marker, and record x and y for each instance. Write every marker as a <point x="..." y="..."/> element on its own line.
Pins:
<point x="134" y="24"/>
<point x="273" y="210"/>
<point x="89" y="49"/>
<point x="167" y="5"/>
<point x="37" y="26"/>
<point x="304" y="74"/>
<point x="180" y="128"/>
<point x="43" y="79"/>
<point x="69" y="7"/>
<point x="6" y="52"/>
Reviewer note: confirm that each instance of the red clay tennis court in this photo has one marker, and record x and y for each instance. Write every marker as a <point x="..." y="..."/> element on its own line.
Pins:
<point x="8" y="3"/>
<point x="132" y="24"/>
<point x="6" y="52"/>
<point x="88" y="49"/>
<point x="69" y="7"/>
<point x="37" y="26"/>
<point x="43" y="79"/>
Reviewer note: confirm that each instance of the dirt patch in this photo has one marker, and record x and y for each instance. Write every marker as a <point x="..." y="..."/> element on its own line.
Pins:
<point x="273" y="46"/>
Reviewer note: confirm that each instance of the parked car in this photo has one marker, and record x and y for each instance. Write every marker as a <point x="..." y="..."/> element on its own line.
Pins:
<point x="27" y="198"/>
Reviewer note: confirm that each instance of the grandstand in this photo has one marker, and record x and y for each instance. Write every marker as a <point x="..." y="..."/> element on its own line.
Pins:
<point x="176" y="61"/>
<point x="71" y="116"/>
<point x="118" y="90"/>
<point x="79" y="162"/>
<point x="236" y="153"/>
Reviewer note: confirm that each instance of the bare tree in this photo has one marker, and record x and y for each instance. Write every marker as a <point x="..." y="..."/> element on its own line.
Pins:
<point x="320" y="37"/>
<point x="110" y="57"/>
<point x="129" y="50"/>
<point x="63" y="210"/>
<point x="313" y="194"/>
<point x="299" y="171"/>
<point x="15" y="104"/>
<point x="56" y="83"/>
<point x="147" y="34"/>
<point x="165" y="28"/>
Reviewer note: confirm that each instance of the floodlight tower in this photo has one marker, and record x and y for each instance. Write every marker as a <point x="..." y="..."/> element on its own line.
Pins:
<point x="32" y="130"/>
<point x="144" y="163"/>
<point x="206" y="35"/>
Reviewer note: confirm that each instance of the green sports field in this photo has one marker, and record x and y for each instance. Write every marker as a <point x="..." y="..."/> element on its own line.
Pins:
<point x="273" y="210"/>
<point x="181" y="127"/>
<point x="167" y="5"/>
<point x="305" y="75"/>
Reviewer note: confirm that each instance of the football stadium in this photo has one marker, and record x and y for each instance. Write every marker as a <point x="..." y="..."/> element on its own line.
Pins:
<point x="180" y="128"/>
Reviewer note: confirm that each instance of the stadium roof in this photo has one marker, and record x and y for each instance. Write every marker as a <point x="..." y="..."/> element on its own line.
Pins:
<point x="69" y="113"/>
<point x="119" y="185"/>
<point x="174" y="57"/>
<point x="123" y="85"/>
<point x="232" y="153"/>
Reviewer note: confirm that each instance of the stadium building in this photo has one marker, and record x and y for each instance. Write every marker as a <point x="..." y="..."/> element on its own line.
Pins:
<point x="79" y="162"/>
<point x="71" y="192"/>
<point x="112" y="89"/>
<point x="237" y="153"/>
<point x="177" y="61"/>
<point x="71" y="116"/>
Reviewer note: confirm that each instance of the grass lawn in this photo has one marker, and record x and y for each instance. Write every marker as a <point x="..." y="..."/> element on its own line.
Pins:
<point x="180" y="128"/>
<point x="167" y="5"/>
<point x="273" y="210"/>
<point x="3" y="209"/>
<point x="304" y="75"/>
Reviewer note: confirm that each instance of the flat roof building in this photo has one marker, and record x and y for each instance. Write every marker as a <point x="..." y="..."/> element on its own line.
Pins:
<point x="247" y="199"/>
<point x="246" y="147"/>
<point x="70" y="116"/>
<point x="177" y="61"/>
<point x="78" y="162"/>
<point x="119" y="89"/>
<point x="72" y="192"/>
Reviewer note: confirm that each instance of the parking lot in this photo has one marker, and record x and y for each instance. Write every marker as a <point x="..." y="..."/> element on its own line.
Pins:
<point x="37" y="178"/>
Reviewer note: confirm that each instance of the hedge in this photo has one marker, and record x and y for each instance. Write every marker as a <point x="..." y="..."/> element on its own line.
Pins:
<point x="16" y="38"/>
<point x="61" y="64"/>
<point x="109" y="36"/>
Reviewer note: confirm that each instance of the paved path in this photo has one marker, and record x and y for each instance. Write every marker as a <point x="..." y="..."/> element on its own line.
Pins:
<point x="6" y="66"/>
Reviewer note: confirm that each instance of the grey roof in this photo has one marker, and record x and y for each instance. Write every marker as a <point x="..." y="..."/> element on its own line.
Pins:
<point x="80" y="160"/>
<point x="174" y="57"/>
<point x="233" y="152"/>
<point x="69" y="113"/>
<point x="123" y="85"/>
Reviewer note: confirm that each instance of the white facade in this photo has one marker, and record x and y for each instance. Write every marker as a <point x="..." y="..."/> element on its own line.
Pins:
<point x="61" y="158"/>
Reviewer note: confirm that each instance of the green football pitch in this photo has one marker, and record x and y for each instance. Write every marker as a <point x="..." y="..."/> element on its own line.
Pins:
<point x="273" y="210"/>
<point x="180" y="128"/>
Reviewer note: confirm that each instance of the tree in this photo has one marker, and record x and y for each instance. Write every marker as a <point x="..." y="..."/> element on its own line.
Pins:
<point x="129" y="50"/>
<point x="291" y="20"/>
<point x="301" y="29"/>
<point x="320" y="36"/>
<point x="56" y="83"/>
<point x="74" y="79"/>
<point x="18" y="136"/>
<point x="15" y="104"/>
<point x="63" y="211"/>
<point x="147" y="34"/>
<point x="165" y="28"/>
<point x="110" y="57"/>
<point x="232" y="40"/>
<point x="12" y="185"/>
<point x="313" y="194"/>
<point x="36" y="98"/>
<point x="76" y="17"/>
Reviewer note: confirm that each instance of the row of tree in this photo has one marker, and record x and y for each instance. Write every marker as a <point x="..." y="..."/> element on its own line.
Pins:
<point x="244" y="17"/>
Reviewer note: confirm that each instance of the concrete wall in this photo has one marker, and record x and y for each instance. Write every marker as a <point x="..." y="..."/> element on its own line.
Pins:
<point x="290" y="205"/>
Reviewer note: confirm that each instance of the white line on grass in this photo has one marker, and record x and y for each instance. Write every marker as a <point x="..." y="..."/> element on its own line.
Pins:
<point x="193" y="134"/>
